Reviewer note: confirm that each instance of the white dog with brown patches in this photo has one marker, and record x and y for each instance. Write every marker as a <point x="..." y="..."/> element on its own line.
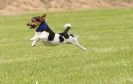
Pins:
<point x="44" y="33"/>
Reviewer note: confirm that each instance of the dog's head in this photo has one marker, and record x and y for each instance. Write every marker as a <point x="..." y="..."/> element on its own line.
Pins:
<point x="36" y="21"/>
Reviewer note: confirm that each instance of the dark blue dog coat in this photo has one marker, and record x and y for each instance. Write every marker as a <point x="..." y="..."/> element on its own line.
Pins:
<point x="42" y="27"/>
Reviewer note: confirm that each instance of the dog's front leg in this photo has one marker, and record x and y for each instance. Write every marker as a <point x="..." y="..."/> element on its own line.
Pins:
<point x="34" y="40"/>
<point x="33" y="43"/>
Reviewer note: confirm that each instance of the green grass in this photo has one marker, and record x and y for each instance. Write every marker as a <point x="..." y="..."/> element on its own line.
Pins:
<point x="108" y="35"/>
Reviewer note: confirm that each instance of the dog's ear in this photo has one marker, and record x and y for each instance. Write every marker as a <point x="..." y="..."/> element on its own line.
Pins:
<point x="42" y="17"/>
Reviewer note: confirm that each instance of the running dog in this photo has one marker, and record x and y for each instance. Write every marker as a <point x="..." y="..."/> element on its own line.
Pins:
<point x="44" y="33"/>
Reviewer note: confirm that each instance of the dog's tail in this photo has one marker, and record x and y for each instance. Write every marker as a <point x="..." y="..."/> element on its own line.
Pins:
<point x="67" y="27"/>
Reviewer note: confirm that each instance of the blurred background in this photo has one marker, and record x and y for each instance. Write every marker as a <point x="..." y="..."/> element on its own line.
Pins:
<point x="33" y="5"/>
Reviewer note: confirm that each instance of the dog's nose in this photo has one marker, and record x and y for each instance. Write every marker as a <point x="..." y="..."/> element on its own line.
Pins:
<point x="28" y="24"/>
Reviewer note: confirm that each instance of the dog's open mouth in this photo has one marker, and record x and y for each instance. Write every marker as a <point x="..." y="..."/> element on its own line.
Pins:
<point x="31" y="26"/>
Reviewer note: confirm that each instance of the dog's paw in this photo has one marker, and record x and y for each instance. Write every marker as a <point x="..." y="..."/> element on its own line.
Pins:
<point x="31" y="39"/>
<point x="85" y="49"/>
<point x="33" y="45"/>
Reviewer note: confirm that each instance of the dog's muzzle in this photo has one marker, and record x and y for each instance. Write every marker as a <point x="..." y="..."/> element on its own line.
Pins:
<point x="32" y="26"/>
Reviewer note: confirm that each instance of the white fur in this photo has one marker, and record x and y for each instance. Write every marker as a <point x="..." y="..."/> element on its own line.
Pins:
<point x="67" y="25"/>
<point x="44" y="36"/>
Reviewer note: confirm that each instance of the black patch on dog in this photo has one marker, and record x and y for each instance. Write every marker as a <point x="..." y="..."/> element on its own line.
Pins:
<point x="49" y="30"/>
<point x="65" y="35"/>
<point x="61" y="38"/>
<point x="72" y="35"/>
<point x="51" y="36"/>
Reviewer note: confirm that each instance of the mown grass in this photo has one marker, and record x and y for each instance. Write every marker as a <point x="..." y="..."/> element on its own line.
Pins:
<point x="108" y="35"/>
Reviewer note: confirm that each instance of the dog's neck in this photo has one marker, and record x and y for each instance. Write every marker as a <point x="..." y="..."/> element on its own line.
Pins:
<point x="44" y="27"/>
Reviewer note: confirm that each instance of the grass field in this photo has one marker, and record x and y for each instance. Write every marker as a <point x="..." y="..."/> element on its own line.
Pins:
<point x="107" y="33"/>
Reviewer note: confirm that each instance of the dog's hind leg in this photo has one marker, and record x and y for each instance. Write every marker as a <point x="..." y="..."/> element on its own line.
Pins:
<point x="80" y="46"/>
<point x="75" y="42"/>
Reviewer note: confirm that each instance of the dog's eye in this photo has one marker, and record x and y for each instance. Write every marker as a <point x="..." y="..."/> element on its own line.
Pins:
<point x="33" y="20"/>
